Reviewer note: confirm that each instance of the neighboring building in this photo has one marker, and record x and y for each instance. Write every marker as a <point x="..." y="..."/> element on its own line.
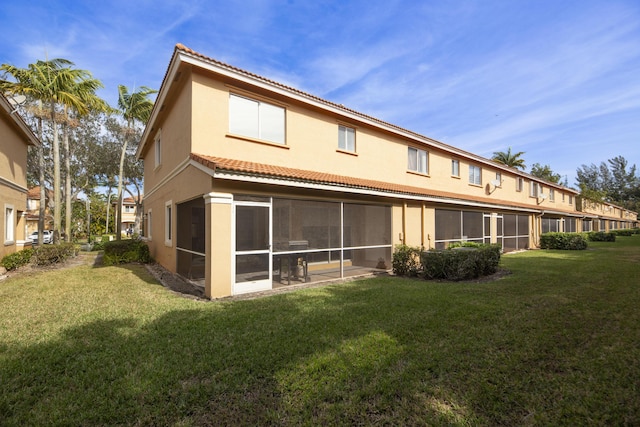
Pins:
<point x="33" y="210"/>
<point x="251" y="184"/>
<point x="603" y="216"/>
<point x="15" y="138"/>
<point x="129" y="212"/>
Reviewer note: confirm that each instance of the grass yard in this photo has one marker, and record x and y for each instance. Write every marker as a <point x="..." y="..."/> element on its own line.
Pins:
<point x="557" y="342"/>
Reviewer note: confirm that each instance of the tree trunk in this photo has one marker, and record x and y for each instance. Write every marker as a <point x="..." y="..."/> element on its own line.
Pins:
<point x="120" y="180"/>
<point x="57" y="208"/>
<point x="67" y="192"/>
<point x="43" y="193"/>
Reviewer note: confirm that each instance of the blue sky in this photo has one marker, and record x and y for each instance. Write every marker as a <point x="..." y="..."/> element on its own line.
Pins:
<point x="559" y="80"/>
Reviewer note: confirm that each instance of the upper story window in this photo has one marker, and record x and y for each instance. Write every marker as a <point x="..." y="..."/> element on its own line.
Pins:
<point x="519" y="184"/>
<point x="498" y="179"/>
<point x="256" y="119"/>
<point x="534" y="189"/>
<point x="455" y="167"/>
<point x="346" y="138"/>
<point x="158" y="148"/>
<point x="475" y="175"/>
<point x="417" y="160"/>
<point x="552" y="195"/>
<point x="129" y="209"/>
<point x="570" y="199"/>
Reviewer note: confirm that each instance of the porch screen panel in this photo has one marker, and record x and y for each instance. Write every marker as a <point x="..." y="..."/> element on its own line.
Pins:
<point x="252" y="228"/>
<point x="510" y="225"/>
<point x="305" y="224"/>
<point x="570" y="224"/>
<point x="523" y="225"/>
<point x="366" y="225"/>
<point x="472" y="225"/>
<point x="448" y="225"/>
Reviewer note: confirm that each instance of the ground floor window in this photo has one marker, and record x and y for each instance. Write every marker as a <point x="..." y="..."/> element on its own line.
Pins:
<point x="570" y="225"/>
<point x="9" y="224"/>
<point x="587" y="225"/>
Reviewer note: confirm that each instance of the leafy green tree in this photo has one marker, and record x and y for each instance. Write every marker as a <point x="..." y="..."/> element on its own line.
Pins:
<point x="135" y="108"/>
<point x="614" y="181"/>
<point x="545" y="172"/>
<point x="513" y="160"/>
<point x="54" y="83"/>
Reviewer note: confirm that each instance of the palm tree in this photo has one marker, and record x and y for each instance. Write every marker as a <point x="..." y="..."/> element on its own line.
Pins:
<point x="134" y="107"/>
<point x="53" y="83"/>
<point x="85" y="90"/>
<point x="510" y="159"/>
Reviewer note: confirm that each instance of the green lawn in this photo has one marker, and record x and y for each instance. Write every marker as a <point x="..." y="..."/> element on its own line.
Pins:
<point x="557" y="342"/>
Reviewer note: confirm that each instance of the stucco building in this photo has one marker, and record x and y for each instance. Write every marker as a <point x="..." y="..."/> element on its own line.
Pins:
<point x="251" y="184"/>
<point x="15" y="138"/>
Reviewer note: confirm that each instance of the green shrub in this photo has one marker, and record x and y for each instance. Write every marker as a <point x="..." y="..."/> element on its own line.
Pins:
<point x="601" y="236"/>
<point x="459" y="262"/>
<point x="406" y="260"/>
<point x="17" y="259"/>
<point x="563" y="241"/>
<point x="123" y="251"/>
<point x="53" y="254"/>
<point x="623" y="232"/>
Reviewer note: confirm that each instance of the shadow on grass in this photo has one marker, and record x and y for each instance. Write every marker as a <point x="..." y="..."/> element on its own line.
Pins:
<point x="322" y="358"/>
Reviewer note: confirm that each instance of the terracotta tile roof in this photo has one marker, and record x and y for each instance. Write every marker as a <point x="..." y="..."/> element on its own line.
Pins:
<point x="301" y="175"/>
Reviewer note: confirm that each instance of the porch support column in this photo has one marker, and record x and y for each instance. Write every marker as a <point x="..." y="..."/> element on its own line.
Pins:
<point x="218" y="244"/>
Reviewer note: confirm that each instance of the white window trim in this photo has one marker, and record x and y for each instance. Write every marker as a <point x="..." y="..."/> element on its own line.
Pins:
<point x="345" y="129"/>
<point x="261" y="112"/>
<point x="499" y="179"/>
<point x="519" y="184"/>
<point x="149" y="224"/>
<point x="168" y="223"/>
<point x="455" y="162"/>
<point x="535" y="189"/>
<point x="418" y="165"/>
<point x="552" y="195"/>
<point x="158" y="149"/>
<point x="473" y="182"/>
<point x="9" y="225"/>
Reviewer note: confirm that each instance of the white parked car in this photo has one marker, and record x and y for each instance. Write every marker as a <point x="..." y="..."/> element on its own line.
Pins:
<point x="47" y="237"/>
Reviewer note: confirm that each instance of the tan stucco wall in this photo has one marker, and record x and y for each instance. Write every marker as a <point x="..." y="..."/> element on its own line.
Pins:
<point x="312" y="144"/>
<point x="174" y="125"/>
<point x="186" y="185"/>
<point x="13" y="180"/>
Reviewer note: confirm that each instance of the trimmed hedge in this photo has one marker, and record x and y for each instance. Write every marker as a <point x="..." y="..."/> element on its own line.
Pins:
<point x="563" y="241"/>
<point x="460" y="263"/>
<point x="40" y="256"/>
<point x="601" y="236"/>
<point x="53" y="254"/>
<point x="17" y="259"/>
<point x="123" y="251"/>
<point x="624" y="232"/>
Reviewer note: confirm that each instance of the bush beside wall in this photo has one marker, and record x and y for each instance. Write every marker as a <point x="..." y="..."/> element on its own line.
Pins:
<point x="461" y="263"/>
<point x="563" y="241"/>
<point x="601" y="236"/>
<point x="123" y="251"/>
<point x="53" y="254"/>
<point x="17" y="259"/>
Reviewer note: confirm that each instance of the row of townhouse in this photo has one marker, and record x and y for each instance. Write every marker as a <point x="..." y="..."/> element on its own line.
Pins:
<point x="15" y="138"/>
<point x="251" y="184"/>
